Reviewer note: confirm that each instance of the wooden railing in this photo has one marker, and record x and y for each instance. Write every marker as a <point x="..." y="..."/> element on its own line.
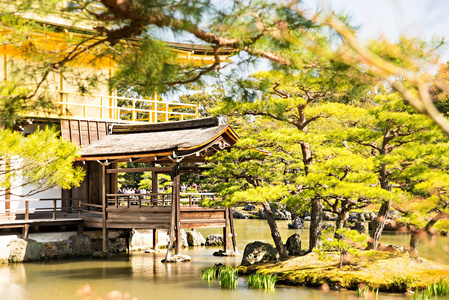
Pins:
<point x="155" y="199"/>
<point x="113" y="108"/>
<point x="145" y="199"/>
<point x="195" y="198"/>
<point x="45" y="212"/>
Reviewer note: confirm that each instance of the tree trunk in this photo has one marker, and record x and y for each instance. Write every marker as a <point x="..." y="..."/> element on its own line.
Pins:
<point x="414" y="243"/>
<point x="344" y="258"/>
<point x="315" y="223"/>
<point x="379" y="225"/>
<point x="340" y="223"/>
<point x="275" y="232"/>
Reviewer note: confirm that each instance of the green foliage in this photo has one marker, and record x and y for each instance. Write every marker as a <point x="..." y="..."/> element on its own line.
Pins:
<point x="261" y="281"/>
<point x="37" y="162"/>
<point x="343" y="240"/>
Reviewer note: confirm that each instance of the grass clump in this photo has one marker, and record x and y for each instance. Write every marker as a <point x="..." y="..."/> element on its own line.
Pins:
<point x="440" y="288"/>
<point x="209" y="274"/>
<point x="228" y="277"/>
<point x="364" y="292"/>
<point x="261" y="281"/>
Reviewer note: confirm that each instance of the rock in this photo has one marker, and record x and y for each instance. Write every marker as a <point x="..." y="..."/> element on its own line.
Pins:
<point x="293" y="244"/>
<point x="259" y="252"/>
<point x="195" y="238"/>
<point x="307" y="218"/>
<point x="297" y="223"/>
<point x="224" y="254"/>
<point x="214" y="240"/>
<point x="327" y="216"/>
<point x="326" y="226"/>
<point x="367" y="217"/>
<point x="262" y="213"/>
<point x="282" y="214"/>
<point x="359" y="227"/>
<point x="24" y="250"/>
<point x="393" y="248"/>
<point x="249" y="207"/>
<point x="56" y="249"/>
<point x="81" y="244"/>
<point x="184" y="242"/>
<point x="177" y="258"/>
<point x="353" y="217"/>
<point x="102" y="255"/>
<point x="239" y="215"/>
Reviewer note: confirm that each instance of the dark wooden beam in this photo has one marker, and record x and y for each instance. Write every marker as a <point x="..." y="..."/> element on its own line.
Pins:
<point x="136" y="170"/>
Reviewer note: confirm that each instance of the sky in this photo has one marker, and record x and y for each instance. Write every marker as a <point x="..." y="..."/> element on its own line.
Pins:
<point x="418" y="18"/>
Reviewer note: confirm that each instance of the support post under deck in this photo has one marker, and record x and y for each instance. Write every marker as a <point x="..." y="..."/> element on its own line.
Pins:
<point x="155" y="239"/>
<point x="231" y="225"/>
<point x="226" y="232"/>
<point x="177" y="203"/>
<point x="104" y="207"/>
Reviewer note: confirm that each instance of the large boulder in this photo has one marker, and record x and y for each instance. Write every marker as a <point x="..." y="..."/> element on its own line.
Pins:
<point x="81" y="244"/>
<point x="259" y="252"/>
<point x="297" y="223"/>
<point x="195" y="238"/>
<point x="24" y="250"/>
<point x="293" y="245"/>
<point x="214" y="240"/>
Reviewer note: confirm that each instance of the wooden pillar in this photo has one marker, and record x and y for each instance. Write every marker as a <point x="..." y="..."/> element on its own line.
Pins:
<point x="231" y="225"/>
<point x="226" y="232"/>
<point x="104" y="206"/>
<point x="172" y="233"/>
<point x="177" y="202"/>
<point x="155" y="240"/>
<point x="154" y="187"/>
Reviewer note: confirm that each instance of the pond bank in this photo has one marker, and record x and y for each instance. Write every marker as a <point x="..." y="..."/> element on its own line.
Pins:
<point x="386" y="271"/>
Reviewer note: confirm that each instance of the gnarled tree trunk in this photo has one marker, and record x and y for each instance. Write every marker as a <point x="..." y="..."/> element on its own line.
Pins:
<point x="275" y="232"/>
<point x="315" y="223"/>
<point x="379" y="224"/>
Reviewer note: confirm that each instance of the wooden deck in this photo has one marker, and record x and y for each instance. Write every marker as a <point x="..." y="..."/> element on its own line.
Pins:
<point x="124" y="211"/>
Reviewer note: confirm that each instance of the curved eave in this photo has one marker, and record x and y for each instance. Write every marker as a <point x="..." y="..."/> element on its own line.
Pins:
<point x="228" y="131"/>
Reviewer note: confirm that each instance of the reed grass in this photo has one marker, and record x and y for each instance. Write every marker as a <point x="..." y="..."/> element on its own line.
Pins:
<point x="228" y="277"/>
<point x="261" y="281"/>
<point x="209" y="274"/>
<point x="440" y="288"/>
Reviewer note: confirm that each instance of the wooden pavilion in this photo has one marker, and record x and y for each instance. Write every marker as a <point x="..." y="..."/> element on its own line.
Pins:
<point x="173" y="148"/>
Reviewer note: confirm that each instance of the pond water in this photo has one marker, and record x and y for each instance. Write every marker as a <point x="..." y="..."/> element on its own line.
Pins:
<point x="143" y="276"/>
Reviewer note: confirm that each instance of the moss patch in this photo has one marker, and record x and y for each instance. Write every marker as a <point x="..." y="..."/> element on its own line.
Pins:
<point x="389" y="272"/>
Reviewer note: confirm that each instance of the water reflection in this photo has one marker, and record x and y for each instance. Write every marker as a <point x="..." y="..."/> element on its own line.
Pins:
<point x="142" y="275"/>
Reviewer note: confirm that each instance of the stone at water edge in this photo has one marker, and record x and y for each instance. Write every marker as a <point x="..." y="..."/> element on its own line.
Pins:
<point x="258" y="252"/>
<point x="297" y="223"/>
<point x="214" y="240"/>
<point x="293" y="245"/>
<point x="222" y="253"/>
<point x="177" y="258"/>
<point x="195" y="238"/>
<point x="24" y="250"/>
<point x="249" y="207"/>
